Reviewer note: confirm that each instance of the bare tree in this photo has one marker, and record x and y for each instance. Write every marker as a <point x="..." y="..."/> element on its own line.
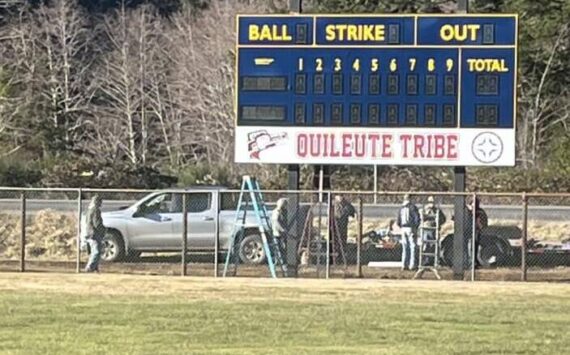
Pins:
<point x="123" y="83"/>
<point x="542" y="112"/>
<point x="66" y="40"/>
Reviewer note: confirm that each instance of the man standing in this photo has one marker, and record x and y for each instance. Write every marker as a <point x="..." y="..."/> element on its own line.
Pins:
<point x="481" y="221"/>
<point x="279" y="223"/>
<point x="432" y="220"/>
<point x="408" y="221"/>
<point x="95" y="233"/>
<point x="343" y="210"/>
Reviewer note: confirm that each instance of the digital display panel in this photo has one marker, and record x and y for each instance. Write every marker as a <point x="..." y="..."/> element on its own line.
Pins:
<point x="264" y="83"/>
<point x="384" y="75"/>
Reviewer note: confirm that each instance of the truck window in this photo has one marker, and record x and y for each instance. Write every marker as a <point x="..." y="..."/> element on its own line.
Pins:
<point x="158" y="204"/>
<point x="196" y="202"/>
<point x="199" y="202"/>
<point x="229" y="200"/>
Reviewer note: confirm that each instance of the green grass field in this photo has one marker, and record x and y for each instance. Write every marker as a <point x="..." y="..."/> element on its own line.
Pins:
<point x="117" y="314"/>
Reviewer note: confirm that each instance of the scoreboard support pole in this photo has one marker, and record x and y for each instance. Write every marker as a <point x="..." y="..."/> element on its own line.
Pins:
<point x="458" y="228"/>
<point x="293" y="172"/>
<point x="459" y="205"/>
<point x="293" y="178"/>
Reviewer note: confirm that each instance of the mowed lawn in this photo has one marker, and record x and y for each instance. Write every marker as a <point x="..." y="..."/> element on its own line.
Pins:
<point x="117" y="314"/>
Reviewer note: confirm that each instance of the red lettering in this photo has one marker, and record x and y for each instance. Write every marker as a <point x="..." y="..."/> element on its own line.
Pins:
<point x="429" y="146"/>
<point x="302" y="145"/>
<point x="360" y="145"/>
<point x="334" y="152"/>
<point x="374" y="137"/>
<point x="387" y="145"/>
<point x="452" y="146"/>
<point x="346" y="145"/>
<point x="405" y="138"/>
<point x="439" y="146"/>
<point x="325" y="145"/>
<point x="418" y="146"/>
<point x="315" y="144"/>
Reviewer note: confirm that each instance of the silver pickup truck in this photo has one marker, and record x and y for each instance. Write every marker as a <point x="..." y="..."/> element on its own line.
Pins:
<point x="155" y="224"/>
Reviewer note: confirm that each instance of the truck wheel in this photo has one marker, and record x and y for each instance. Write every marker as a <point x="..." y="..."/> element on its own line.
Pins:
<point x="492" y="253"/>
<point x="113" y="247"/>
<point x="251" y="250"/>
<point x="447" y="251"/>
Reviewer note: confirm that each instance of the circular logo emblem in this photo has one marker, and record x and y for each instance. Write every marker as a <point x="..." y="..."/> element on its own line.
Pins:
<point x="487" y="147"/>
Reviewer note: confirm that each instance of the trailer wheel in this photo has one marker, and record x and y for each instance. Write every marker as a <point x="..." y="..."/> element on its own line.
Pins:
<point x="492" y="253"/>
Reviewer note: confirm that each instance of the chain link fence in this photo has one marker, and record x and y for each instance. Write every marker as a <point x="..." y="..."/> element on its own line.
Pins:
<point x="326" y="234"/>
<point x="548" y="237"/>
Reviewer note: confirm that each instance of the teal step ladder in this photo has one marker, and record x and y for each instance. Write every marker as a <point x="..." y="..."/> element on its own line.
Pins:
<point x="250" y="194"/>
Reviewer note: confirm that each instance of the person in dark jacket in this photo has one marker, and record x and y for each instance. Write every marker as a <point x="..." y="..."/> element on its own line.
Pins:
<point x="343" y="210"/>
<point x="481" y="221"/>
<point x="95" y="233"/>
<point x="408" y="220"/>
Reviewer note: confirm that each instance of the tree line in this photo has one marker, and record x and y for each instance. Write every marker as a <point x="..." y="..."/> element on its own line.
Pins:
<point x="141" y="94"/>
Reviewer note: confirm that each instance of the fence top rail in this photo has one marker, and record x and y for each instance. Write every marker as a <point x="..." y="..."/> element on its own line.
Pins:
<point x="339" y="192"/>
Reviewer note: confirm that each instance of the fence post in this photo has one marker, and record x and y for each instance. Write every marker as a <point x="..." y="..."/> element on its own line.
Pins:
<point x="320" y="233"/>
<point x="359" y="238"/>
<point x="184" y="233"/>
<point x="79" y="213"/>
<point x="474" y="236"/>
<point x="217" y="233"/>
<point x="375" y="184"/>
<point x="23" y="234"/>
<point x="524" y="237"/>
<point x="329" y="229"/>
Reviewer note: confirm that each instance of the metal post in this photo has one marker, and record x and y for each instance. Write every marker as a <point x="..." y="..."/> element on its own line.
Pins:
<point x="184" y="233"/>
<point x="473" y="237"/>
<point x="359" y="238"/>
<point x="217" y="233"/>
<point x="459" y="225"/>
<point x="328" y="261"/>
<point x="459" y="207"/>
<point x="375" y="184"/>
<point x="524" y="237"/>
<point x="319" y="223"/>
<point x="463" y="6"/>
<point x="79" y="213"/>
<point x="293" y="217"/>
<point x="296" y="6"/>
<point x="23" y="234"/>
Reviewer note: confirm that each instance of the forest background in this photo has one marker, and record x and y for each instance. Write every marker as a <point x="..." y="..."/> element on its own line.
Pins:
<point x="139" y="94"/>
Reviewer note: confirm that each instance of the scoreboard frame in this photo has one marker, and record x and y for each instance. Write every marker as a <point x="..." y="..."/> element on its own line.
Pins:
<point x="484" y="143"/>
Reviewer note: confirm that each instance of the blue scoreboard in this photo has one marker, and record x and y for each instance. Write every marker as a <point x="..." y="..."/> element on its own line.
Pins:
<point x="376" y="89"/>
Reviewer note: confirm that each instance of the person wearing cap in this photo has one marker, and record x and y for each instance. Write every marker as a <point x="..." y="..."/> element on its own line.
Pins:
<point x="408" y="220"/>
<point x="432" y="220"/>
<point x="94" y="234"/>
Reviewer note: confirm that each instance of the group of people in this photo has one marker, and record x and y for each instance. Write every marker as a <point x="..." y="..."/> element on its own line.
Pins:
<point x="429" y="220"/>
<point x="410" y="221"/>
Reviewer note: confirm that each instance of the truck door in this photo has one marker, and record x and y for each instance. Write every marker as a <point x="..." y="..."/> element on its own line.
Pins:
<point x="201" y="220"/>
<point x="152" y="225"/>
